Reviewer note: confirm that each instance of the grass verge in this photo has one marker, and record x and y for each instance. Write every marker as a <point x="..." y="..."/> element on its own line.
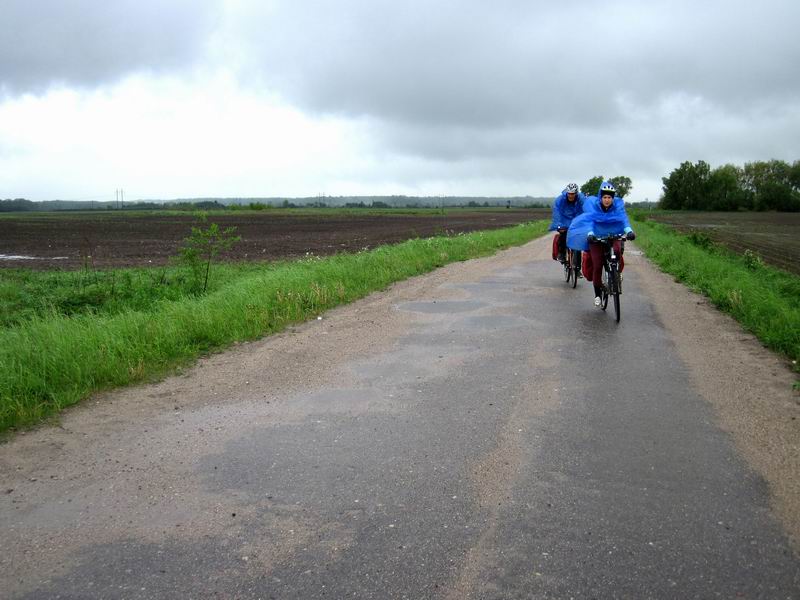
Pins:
<point x="765" y="300"/>
<point x="48" y="363"/>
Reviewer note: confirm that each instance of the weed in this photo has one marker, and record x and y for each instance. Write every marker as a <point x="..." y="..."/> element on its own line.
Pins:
<point x="701" y="239"/>
<point x="752" y="260"/>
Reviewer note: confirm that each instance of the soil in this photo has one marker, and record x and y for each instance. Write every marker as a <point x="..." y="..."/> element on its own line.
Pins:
<point x="771" y="235"/>
<point x="104" y="240"/>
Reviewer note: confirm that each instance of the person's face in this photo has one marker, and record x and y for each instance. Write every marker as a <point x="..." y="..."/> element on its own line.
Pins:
<point x="571" y="196"/>
<point x="607" y="200"/>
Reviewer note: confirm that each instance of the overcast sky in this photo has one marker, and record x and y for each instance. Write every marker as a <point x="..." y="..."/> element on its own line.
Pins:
<point x="243" y="98"/>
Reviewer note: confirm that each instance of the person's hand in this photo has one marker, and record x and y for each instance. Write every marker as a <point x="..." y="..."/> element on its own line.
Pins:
<point x="591" y="238"/>
<point x="631" y="236"/>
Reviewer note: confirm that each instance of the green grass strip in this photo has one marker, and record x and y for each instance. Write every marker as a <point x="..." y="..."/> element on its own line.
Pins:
<point x="765" y="300"/>
<point x="49" y="363"/>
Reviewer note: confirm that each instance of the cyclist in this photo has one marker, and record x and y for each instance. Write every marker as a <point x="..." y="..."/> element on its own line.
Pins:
<point x="603" y="215"/>
<point x="565" y="208"/>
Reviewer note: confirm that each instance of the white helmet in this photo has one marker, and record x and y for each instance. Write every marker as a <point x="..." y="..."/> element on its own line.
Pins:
<point x="572" y="188"/>
<point x="608" y="188"/>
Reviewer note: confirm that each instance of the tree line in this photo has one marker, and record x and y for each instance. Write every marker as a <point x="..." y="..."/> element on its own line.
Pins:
<point x="760" y="185"/>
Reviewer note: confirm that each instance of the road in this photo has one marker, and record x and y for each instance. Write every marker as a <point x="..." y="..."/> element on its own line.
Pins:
<point x="479" y="432"/>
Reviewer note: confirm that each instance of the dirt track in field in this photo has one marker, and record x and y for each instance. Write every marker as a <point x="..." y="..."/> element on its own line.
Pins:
<point x="70" y="241"/>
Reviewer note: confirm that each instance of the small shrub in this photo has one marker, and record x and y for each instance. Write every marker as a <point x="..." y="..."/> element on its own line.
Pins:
<point x="202" y="246"/>
<point x="701" y="240"/>
<point x="752" y="260"/>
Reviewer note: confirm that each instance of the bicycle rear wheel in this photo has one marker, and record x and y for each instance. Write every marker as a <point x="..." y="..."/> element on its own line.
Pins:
<point x="604" y="293"/>
<point x="574" y="269"/>
<point x="567" y="270"/>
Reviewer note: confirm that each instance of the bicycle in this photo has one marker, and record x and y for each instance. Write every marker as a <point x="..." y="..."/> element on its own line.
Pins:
<point x="571" y="264"/>
<point x="612" y="278"/>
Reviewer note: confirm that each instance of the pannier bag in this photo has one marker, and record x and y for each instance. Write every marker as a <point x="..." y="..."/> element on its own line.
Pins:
<point x="586" y="265"/>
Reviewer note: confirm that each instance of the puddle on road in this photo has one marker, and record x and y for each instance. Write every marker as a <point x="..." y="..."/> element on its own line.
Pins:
<point x="446" y="306"/>
<point x="494" y="322"/>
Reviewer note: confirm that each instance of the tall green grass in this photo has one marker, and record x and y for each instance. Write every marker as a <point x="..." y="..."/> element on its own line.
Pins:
<point x="50" y="362"/>
<point x="765" y="300"/>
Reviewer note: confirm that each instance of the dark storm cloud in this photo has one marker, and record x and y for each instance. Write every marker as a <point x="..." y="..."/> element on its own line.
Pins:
<point x="514" y="63"/>
<point x="90" y="42"/>
<point x="430" y="63"/>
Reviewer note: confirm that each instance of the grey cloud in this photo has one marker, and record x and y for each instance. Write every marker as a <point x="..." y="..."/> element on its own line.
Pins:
<point x="534" y="89"/>
<point x="511" y="91"/>
<point x="506" y="63"/>
<point x="88" y="43"/>
<point x="435" y="63"/>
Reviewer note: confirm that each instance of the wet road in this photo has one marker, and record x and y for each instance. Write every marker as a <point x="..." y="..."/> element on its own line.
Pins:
<point x="500" y="439"/>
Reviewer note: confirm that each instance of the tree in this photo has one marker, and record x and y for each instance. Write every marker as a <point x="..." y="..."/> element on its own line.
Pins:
<point x="203" y="245"/>
<point x="725" y="190"/>
<point x="771" y="183"/>
<point x="686" y="187"/>
<point x="591" y="187"/>
<point x="794" y="176"/>
<point x="623" y="184"/>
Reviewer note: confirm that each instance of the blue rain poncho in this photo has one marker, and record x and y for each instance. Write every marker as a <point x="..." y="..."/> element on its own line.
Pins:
<point x="564" y="210"/>
<point x="597" y="221"/>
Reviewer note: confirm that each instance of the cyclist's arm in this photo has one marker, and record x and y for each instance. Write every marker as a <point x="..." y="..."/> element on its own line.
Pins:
<point x="556" y="214"/>
<point x="626" y="222"/>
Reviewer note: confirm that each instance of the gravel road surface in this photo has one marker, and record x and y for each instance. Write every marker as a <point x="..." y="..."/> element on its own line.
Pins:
<point x="479" y="432"/>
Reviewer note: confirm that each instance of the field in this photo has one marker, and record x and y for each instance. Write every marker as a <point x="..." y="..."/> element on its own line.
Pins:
<point x="70" y="333"/>
<point x="775" y="237"/>
<point x="119" y="239"/>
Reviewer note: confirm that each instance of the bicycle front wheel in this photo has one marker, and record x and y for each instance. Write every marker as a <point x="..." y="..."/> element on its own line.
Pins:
<point x="613" y="287"/>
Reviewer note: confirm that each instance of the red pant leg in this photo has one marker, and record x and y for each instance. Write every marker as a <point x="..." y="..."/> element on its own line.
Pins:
<point x="596" y="251"/>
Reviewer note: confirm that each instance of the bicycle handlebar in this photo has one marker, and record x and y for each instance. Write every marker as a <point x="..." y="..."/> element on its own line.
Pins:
<point x="611" y="238"/>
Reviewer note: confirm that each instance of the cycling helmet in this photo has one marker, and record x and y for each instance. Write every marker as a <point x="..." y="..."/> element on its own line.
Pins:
<point x="572" y="188"/>
<point x="608" y="188"/>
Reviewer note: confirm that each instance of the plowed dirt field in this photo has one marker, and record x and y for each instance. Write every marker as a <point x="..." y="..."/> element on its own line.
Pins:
<point x="70" y="240"/>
